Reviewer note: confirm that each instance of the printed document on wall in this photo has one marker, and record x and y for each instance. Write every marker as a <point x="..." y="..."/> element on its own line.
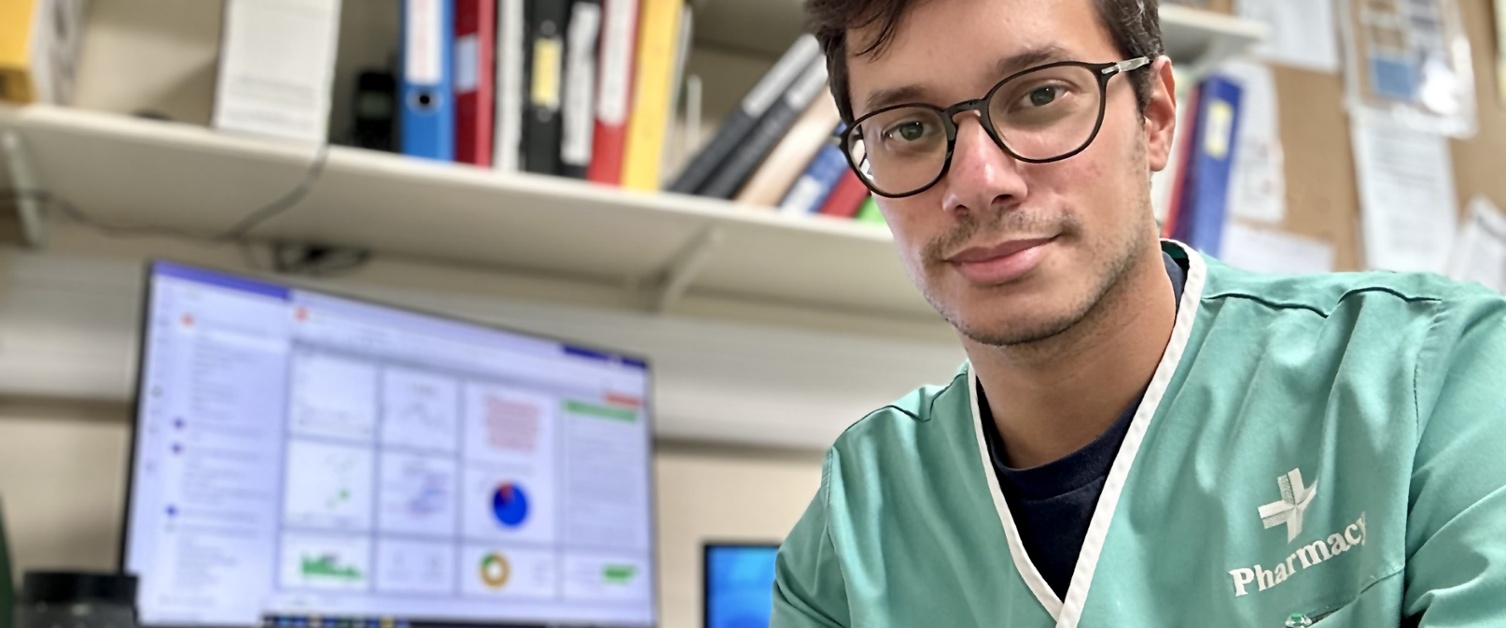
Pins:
<point x="1480" y="253"/>
<point x="1277" y="252"/>
<point x="1302" y="32"/>
<point x="1408" y="205"/>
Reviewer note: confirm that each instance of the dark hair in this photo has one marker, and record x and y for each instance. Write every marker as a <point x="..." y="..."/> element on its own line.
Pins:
<point x="1135" y="25"/>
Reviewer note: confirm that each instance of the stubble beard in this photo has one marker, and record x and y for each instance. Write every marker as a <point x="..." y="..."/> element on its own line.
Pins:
<point x="1089" y="313"/>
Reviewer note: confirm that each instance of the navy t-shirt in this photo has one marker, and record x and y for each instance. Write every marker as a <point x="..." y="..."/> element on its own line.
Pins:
<point x="1052" y="504"/>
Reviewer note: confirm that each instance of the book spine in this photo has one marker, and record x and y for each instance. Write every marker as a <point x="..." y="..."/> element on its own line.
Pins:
<point x="1212" y="165"/>
<point x="542" y="127"/>
<point x="475" y="49"/>
<point x="676" y="133"/>
<point x="775" y="123"/>
<point x="846" y="198"/>
<point x="869" y="212"/>
<point x="657" y="27"/>
<point x="811" y="133"/>
<point x="580" y="87"/>
<point x="796" y="59"/>
<point x="810" y="191"/>
<point x="507" y="145"/>
<point x="614" y="90"/>
<point x="428" y="118"/>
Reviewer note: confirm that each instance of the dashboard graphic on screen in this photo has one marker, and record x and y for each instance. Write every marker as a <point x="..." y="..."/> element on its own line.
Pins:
<point x="298" y="454"/>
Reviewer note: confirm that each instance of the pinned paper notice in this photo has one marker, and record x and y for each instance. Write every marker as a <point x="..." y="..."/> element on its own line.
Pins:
<point x="1302" y="33"/>
<point x="1276" y="252"/>
<point x="1408" y="207"/>
<point x="1257" y="191"/>
<point x="1480" y="253"/>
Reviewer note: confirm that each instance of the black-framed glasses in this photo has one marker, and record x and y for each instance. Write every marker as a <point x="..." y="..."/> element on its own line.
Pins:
<point x="1040" y="115"/>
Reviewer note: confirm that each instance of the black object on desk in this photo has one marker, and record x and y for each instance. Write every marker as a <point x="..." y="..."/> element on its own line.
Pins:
<point x="7" y="588"/>
<point x="65" y="599"/>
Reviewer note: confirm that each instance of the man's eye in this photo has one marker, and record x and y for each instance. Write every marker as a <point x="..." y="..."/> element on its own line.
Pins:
<point x="1042" y="96"/>
<point x="908" y="131"/>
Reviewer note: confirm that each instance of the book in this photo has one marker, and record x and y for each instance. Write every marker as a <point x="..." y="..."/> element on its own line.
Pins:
<point x="772" y="126"/>
<point x="39" y="49"/>
<point x="277" y="69"/>
<point x="846" y="198"/>
<point x="821" y="175"/>
<point x="675" y="133"/>
<point x="1205" y="203"/>
<point x="614" y="92"/>
<point x="475" y="51"/>
<point x="869" y="212"/>
<point x="374" y="111"/>
<point x="658" y="25"/>
<point x="542" y="128"/>
<point x="512" y="74"/>
<point x="579" y="119"/>
<point x="428" y="112"/>
<point x="729" y="136"/>
<point x="784" y="165"/>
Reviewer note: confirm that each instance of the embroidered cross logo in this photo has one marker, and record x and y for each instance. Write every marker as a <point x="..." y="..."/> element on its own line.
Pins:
<point x="1295" y="498"/>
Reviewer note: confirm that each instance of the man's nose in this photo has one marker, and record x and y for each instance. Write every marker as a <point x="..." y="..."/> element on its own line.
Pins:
<point x="982" y="175"/>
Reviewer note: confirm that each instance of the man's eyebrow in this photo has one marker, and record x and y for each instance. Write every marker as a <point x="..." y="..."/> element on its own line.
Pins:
<point x="1026" y="59"/>
<point x="1030" y="58"/>
<point x="894" y="96"/>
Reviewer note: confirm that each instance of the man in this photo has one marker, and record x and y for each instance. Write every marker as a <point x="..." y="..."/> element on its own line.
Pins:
<point x="1141" y="436"/>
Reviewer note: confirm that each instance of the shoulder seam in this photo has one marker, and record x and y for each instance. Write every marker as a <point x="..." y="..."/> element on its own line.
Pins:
<point x="912" y="415"/>
<point x="1314" y="309"/>
<point x="932" y="406"/>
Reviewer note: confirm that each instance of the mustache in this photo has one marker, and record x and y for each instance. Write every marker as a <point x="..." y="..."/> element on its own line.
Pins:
<point x="995" y="227"/>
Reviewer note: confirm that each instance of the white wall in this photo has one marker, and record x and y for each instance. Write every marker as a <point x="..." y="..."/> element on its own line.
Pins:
<point x="62" y="481"/>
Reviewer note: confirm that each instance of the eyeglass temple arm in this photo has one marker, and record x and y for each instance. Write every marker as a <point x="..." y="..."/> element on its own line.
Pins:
<point x="1127" y="65"/>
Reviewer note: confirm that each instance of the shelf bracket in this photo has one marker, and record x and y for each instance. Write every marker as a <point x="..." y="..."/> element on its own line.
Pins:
<point x="686" y="265"/>
<point x="24" y="181"/>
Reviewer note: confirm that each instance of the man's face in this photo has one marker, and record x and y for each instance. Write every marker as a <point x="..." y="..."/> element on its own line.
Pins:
<point x="1006" y="251"/>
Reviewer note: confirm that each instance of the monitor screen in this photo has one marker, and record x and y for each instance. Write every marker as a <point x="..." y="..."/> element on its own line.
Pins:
<point x="739" y="585"/>
<point x="306" y="460"/>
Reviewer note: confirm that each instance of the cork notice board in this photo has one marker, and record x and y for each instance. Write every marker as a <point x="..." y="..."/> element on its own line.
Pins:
<point x="1322" y="196"/>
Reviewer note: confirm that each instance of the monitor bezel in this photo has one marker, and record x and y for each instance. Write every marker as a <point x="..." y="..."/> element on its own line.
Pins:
<point x="144" y="325"/>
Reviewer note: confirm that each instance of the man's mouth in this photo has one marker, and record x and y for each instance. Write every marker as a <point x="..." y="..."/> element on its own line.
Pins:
<point x="1002" y="262"/>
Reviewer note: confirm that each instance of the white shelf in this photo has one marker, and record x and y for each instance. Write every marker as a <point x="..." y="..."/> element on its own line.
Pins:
<point x="141" y="172"/>
<point x="1198" y="40"/>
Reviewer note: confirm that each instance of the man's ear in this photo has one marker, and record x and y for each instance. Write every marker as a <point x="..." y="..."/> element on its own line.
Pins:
<point x="1160" y="114"/>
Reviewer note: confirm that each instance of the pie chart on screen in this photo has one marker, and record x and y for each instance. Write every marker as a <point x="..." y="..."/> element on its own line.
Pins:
<point x="510" y="505"/>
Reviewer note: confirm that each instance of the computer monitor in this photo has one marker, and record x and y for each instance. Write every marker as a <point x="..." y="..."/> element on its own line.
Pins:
<point x="738" y="584"/>
<point x="305" y="460"/>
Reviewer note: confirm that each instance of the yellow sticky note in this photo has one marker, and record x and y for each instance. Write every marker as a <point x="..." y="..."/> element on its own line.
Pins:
<point x="1219" y="129"/>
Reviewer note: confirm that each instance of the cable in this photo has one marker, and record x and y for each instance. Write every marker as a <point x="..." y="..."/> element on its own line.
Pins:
<point x="235" y="233"/>
<point x="314" y="259"/>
